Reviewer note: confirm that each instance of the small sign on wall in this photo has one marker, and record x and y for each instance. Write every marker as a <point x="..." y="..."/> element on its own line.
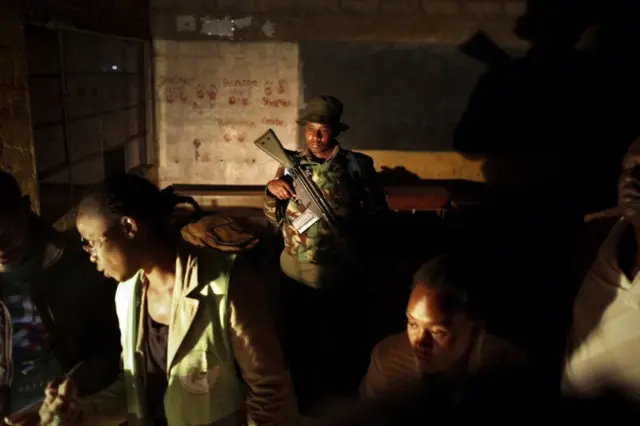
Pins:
<point x="217" y="27"/>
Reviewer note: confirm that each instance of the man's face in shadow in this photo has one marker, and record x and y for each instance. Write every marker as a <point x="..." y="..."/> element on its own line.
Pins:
<point x="319" y="138"/>
<point x="629" y="185"/>
<point x="439" y="336"/>
<point x="14" y="234"/>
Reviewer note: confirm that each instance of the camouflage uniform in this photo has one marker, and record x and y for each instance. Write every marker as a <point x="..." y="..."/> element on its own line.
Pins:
<point x="321" y="305"/>
<point x="350" y="189"/>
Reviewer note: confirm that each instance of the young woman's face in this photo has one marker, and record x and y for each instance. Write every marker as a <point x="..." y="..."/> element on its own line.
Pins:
<point x="439" y="338"/>
<point x="110" y="246"/>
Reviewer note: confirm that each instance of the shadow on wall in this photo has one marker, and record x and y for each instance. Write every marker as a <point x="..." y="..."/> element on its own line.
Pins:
<point x="396" y="96"/>
<point x="574" y="94"/>
<point x="399" y="175"/>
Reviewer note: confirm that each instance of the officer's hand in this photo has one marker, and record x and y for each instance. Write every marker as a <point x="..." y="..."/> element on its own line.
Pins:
<point x="60" y="406"/>
<point x="27" y="417"/>
<point x="280" y="189"/>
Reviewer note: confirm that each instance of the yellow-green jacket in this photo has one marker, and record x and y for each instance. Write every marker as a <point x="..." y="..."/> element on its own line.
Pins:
<point x="219" y="317"/>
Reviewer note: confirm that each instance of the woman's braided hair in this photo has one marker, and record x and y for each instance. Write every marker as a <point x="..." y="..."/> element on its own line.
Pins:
<point x="134" y="196"/>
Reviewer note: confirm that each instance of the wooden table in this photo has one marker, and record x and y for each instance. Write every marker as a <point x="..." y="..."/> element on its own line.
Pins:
<point x="400" y="198"/>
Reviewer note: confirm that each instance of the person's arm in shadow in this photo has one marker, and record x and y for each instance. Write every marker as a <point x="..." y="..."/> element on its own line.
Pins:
<point x="374" y="384"/>
<point x="102" y="366"/>
<point x="272" y="206"/>
<point x="374" y="198"/>
<point x="270" y="400"/>
<point x="109" y="407"/>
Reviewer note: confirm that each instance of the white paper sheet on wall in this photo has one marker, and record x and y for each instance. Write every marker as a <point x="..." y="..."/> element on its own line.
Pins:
<point x="217" y="27"/>
<point x="213" y="99"/>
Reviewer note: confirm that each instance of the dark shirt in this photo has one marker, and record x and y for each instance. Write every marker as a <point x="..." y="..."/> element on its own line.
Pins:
<point x="394" y="366"/>
<point x="157" y="335"/>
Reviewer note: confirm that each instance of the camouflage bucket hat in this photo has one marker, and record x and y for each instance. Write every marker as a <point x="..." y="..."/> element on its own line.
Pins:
<point x="324" y="110"/>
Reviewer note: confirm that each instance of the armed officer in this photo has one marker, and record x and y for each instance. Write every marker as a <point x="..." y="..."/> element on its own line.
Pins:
<point x="322" y="290"/>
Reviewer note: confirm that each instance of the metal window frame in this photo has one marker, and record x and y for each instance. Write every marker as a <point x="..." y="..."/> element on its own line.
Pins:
<point x="144" y="93"/>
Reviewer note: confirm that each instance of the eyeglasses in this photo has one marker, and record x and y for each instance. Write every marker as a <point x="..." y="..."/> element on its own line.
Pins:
<point x="91" y="246"/>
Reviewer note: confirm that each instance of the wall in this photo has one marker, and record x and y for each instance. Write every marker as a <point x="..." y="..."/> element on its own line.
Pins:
<point x="16" y="140"/>
<point x="98" y="126"/>
<point x="102" y="106"/>
<point x="126" y="18"/>
<point x="16" y="147"/>
<point x="214" y="99"/>
<point x="397" y="65"/>
<point x="21" y="59"/>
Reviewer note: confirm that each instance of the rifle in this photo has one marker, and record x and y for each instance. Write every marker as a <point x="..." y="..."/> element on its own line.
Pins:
<point x="307" y="192"/>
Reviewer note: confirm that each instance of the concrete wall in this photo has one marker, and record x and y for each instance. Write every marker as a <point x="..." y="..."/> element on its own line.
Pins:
<point x="17" y="154"/>
<point x="103" y="104"/>
<point x="397" y="65"/>
<point x="16" y="147"/>
<point x="127" y="18"/>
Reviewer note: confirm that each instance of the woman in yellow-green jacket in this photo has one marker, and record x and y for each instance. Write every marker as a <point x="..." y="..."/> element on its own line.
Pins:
<point x="188" y="316"/>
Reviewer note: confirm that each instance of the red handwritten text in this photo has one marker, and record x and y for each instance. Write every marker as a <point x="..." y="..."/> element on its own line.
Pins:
<point x="236" y="122"/>
<point x="275" y="103"/>
<point x="272" y="121"/>
<point x="240" y="101"/>
<point x="173" y="94"/>
<point x="231" y="135"/>
<point x="175" y="88"/>
<point x="212" y="93"/>
<point x="271" y="87"/>
<point x="240" y="91"/>
<point x="164" y="80"/>
<point x="228" y="82"/>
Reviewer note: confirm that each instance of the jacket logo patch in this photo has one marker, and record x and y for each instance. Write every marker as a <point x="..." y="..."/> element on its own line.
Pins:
<point x="199" y="371"/>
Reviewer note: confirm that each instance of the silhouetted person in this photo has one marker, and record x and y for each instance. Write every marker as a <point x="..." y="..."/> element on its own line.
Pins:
<point x="57" y="312"/>
<point x="604" y="341"/>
